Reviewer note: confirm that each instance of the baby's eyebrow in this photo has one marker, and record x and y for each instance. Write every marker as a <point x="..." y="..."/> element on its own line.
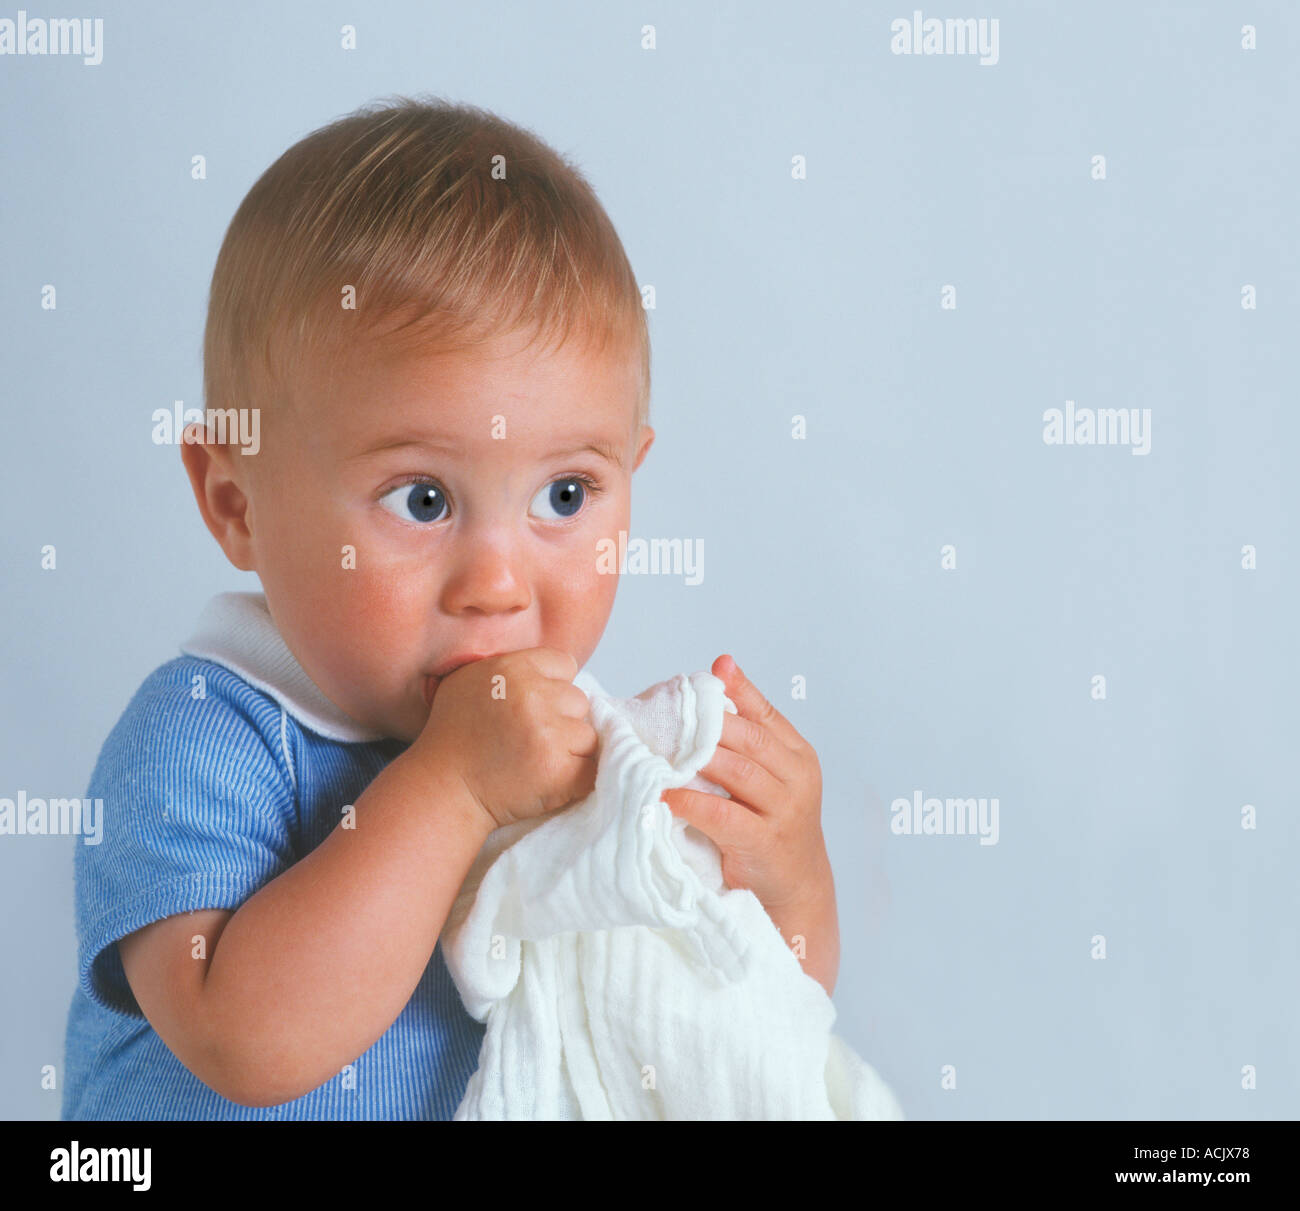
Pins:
<point x="606" y="450"/>
<point x="400" y="443"/>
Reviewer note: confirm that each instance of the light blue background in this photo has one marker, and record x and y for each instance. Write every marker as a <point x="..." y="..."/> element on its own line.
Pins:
<point x="778" y="297"/>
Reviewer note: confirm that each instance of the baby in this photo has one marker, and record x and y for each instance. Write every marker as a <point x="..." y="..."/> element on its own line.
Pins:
<point x="448" y="354"/>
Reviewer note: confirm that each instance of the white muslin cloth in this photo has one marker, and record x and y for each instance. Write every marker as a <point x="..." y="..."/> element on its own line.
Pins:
<point x="617" y="974"/>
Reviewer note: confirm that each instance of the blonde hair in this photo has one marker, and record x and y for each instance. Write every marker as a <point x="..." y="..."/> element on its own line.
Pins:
<point x="399" y="200"/>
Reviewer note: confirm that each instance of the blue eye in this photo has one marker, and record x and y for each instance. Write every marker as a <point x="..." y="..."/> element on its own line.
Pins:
<point x="565" y="495"/>
<point x="415" y="502"/>
<point x="424" y="501"/>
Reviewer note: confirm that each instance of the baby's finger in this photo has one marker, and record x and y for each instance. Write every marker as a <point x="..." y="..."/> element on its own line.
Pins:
<point x="571" y="702"/>
<point x="760" y="745"/>
<point x="728" y="823"/>
<point x="552" y="662"/>
<point x="580" y="738"/>
<point x="751" y="704"/>
<point x="744" y="779"/>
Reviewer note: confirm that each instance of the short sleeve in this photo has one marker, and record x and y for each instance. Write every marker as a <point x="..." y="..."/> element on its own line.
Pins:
<point x="196" y="801"/>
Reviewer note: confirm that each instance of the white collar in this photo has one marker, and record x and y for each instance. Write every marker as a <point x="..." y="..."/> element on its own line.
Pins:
<point x="236" y="631"/>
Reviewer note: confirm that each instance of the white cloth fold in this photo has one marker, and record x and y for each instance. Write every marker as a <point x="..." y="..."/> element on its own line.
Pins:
<point x="618" y="976"/>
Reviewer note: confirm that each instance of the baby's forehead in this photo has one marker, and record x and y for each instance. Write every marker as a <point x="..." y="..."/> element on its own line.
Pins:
<point x="518" y="362"/>
<point x="540" y="391"/>
<point x="470" y="417"/>
<point x="360" y="397"/>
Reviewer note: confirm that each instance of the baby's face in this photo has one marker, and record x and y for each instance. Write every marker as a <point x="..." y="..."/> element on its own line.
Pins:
<point x="448" y="476"/>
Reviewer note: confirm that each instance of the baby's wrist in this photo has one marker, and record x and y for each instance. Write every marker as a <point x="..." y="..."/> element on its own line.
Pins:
<point x="449" y="789"/>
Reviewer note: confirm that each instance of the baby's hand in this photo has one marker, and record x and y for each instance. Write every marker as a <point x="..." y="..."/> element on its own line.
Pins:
<point x="769" y="831"/>
<point x="523" y="745"/>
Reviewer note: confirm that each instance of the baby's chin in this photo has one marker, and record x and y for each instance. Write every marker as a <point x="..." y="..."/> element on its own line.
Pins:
<point x="407" y="720"/>
<point x="401" y="718"/>
<point x="401" y="729"/>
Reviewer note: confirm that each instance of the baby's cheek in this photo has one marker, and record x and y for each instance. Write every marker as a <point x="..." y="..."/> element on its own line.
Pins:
<point x="589" y="565"/>
<point x="383" y="614"/>
<point x="581" y="597"/>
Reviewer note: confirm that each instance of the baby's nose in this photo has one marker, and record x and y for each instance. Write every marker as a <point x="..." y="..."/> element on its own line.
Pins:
<point x="490" y="578"/>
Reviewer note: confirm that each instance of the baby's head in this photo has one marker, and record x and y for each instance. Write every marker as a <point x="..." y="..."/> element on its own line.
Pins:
<point x="446" y="343"/>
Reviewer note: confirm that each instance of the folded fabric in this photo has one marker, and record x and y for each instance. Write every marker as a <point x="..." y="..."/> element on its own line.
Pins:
<point x="617" y="974"/>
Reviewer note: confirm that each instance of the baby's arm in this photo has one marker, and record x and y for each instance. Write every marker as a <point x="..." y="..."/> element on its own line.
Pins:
<point x="311" y="970"/>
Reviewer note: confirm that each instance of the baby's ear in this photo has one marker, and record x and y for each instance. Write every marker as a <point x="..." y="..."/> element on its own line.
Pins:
<point x="221" y="500"/>
<point x="645" y="438"/>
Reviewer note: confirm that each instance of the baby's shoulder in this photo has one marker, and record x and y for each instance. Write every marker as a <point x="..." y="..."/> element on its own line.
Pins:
<point x="190" y="707"/>
<point x="191" y="687"/>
